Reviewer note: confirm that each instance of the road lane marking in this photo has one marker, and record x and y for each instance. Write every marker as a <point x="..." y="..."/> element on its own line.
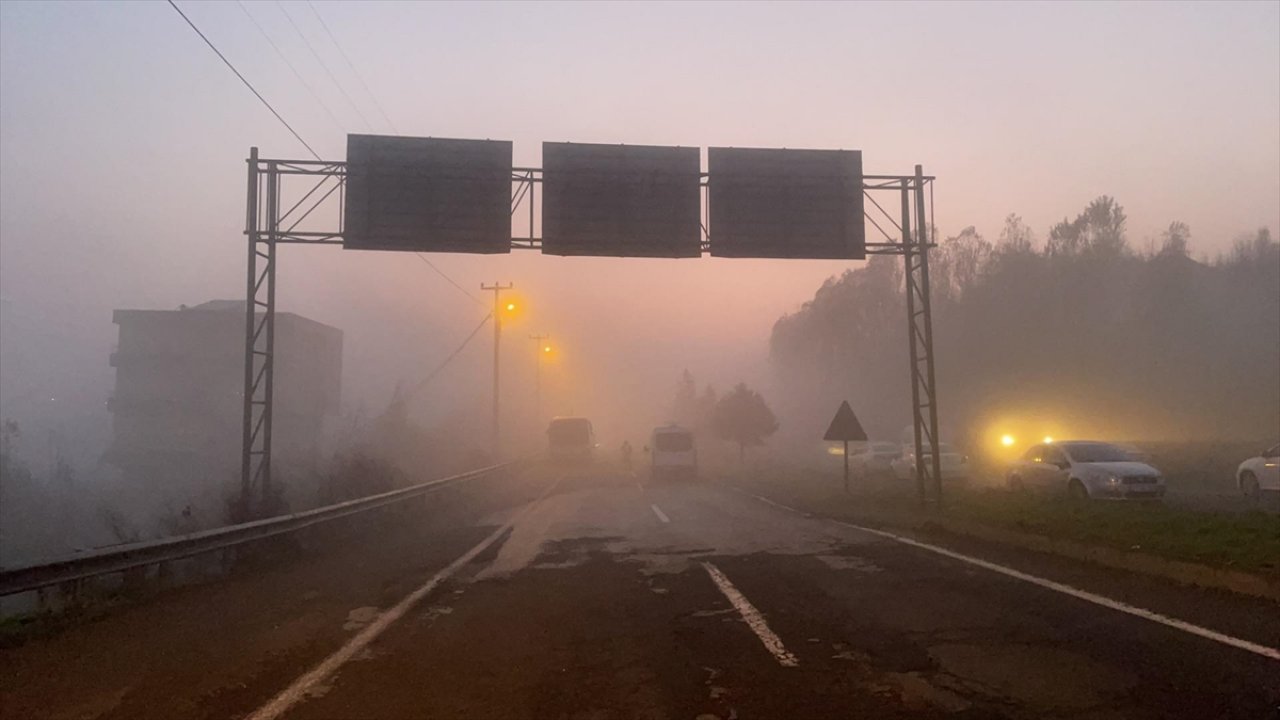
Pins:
<point x="661" y="515"/>
<point x="303" y="686"/>
<point x="1085" y="595"/>
<point x="778" y="505"/>
<point x="754" y="619"/>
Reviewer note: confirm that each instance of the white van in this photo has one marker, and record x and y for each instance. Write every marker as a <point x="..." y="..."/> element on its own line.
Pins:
<point x="672" y="453"/>
<point x="571" y="440"/>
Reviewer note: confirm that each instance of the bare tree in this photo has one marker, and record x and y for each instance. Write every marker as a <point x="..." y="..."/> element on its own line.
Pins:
<point x="1176" y="240"/>
<point x="1016" y="237"/>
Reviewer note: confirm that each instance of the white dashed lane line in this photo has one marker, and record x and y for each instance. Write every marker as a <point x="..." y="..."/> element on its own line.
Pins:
<point x="302" y="687"/>
<point x="1058" y="587"/>
<point x="752" y="616"/>
<point x="661" y="515"/>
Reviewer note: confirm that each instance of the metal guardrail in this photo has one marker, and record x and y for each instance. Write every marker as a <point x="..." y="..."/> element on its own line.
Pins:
<point x="150" y="552"/>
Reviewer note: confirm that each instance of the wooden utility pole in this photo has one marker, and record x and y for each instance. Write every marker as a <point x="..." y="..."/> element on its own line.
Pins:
<point x="497" y="289"/>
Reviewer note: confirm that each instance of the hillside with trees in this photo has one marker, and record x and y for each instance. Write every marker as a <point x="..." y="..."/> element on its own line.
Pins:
<point x="1107" y="340"/>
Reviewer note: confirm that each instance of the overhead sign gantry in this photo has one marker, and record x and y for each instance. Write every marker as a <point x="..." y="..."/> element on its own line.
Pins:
<point x="415" y="194"/>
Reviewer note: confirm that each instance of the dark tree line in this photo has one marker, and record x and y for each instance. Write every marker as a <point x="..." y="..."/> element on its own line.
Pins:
<point x="1109" y="341"/>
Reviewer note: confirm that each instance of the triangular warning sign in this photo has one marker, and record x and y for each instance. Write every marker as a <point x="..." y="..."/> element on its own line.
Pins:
<point x="845" y="426"/>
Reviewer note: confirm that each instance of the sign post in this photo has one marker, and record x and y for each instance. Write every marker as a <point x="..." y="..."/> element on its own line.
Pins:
<point x="846" y="467"/>
<point x="845" y="427"/>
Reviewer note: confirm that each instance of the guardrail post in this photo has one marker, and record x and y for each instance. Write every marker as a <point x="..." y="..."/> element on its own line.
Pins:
<point x="134" y="580"/>
<point x="70" y="592"/>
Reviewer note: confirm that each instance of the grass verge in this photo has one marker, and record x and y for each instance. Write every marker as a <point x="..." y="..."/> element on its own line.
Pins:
<point x="1247" y="542"/>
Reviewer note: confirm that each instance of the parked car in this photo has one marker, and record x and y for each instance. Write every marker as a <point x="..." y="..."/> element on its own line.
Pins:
<point x="1086" y="469"/>
<point x="672" y="453"/>
<point x="873" y="458"/>
<point x="1261" y="473"/>
<point x="955" y="464"/>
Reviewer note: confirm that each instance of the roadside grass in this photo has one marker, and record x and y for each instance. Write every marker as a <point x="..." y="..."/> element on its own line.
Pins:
<point x="1242" y="541"/>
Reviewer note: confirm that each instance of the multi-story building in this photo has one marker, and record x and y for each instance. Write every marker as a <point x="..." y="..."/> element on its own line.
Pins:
<point x="178" y="403"/>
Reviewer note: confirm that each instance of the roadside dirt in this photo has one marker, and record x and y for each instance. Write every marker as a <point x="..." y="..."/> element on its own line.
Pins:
<point x="219" y="649"/>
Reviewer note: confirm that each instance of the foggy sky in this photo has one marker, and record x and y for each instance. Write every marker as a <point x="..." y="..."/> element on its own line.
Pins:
<point x="123" y="138"/>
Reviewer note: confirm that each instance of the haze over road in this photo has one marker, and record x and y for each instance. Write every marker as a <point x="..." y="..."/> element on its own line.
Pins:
<point x="589" y="594"/>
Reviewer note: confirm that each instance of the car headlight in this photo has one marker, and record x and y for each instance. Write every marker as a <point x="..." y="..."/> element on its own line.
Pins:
<point x="1113" y="479"/>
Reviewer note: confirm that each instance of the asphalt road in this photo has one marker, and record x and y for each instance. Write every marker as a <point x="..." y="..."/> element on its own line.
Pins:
<point x="590" y="595"/>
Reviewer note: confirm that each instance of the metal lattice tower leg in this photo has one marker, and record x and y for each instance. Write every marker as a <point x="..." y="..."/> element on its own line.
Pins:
<point x="259" y="347"/>
<point x="924" y="397"/>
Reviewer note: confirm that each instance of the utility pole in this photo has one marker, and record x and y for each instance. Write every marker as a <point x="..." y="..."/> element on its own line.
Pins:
<point x="497" y="289"/>
<point x="538" y="351"/>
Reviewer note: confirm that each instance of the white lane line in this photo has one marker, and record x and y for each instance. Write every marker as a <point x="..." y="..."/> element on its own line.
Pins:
<point x="1085" y="595"/>
<point x="301" y="687"/>
<point x="754" y="619"/>
<point x="661" y="515"/>
<point x="767" y="501"/>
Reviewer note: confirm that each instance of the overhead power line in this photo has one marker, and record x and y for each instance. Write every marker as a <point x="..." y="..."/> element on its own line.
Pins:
<point x="354" y="71"/>
<point x="301" y="80"/>
<point x="423" y="383"/>
<point x="243" y="80"/>
<point x="324" y="65"/>
<point x="440" y="272"/>
<point x="289" y="127"/>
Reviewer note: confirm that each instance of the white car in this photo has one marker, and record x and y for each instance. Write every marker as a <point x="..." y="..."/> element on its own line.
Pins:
<point x="873" y="458"/>
<point x="1260" y="473"/>
<point x="1086" y="469"/>
<point x="955" y="464"/>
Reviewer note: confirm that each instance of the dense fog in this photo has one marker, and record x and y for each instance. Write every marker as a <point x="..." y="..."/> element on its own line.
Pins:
<point x="122" y="186"/>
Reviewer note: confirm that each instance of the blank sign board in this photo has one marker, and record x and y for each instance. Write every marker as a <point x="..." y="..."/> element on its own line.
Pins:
<point x="778" y="203"/>
<point x="621" y="200"/>
<point x="427" y="194"/>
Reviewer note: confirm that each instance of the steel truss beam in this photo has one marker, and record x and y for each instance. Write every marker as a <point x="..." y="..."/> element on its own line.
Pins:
<point x="267" y="227"/>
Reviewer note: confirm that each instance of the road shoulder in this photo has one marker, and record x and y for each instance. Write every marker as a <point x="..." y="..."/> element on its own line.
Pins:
<point x="1239" y="615"/>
